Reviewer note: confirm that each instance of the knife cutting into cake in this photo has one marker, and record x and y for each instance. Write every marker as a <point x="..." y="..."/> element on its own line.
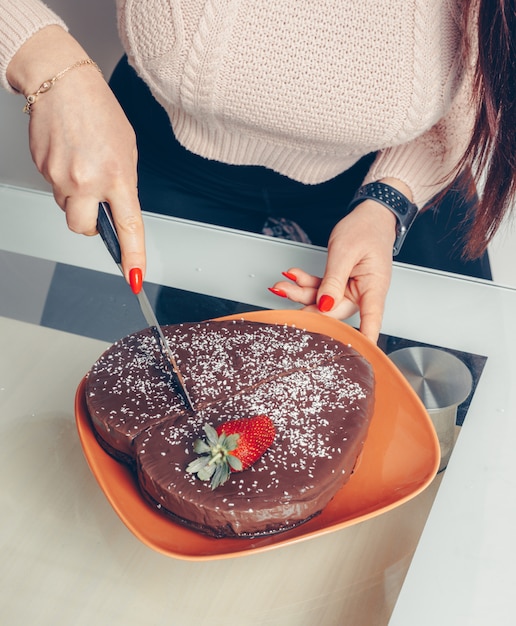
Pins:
<point x="108" y="233"/>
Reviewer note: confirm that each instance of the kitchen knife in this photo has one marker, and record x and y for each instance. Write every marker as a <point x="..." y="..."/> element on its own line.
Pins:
<point x="107" y="231"/>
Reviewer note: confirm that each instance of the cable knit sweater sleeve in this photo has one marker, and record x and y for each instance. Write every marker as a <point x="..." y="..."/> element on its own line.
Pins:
<point x="19" y="20"/>
<point x="427" y="163"/>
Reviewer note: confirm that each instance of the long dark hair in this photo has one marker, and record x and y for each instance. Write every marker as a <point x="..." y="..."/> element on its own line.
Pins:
<point x="492" y="150"/>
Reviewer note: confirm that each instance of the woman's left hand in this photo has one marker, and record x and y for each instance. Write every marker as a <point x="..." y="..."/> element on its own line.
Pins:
<point x="358" y="270"/>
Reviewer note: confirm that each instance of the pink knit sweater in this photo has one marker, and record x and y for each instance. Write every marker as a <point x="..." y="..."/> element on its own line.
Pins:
<point x="304" y="88"/>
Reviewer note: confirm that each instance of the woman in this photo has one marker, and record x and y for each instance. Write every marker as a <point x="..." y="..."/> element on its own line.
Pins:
<point x="271" y="116"/>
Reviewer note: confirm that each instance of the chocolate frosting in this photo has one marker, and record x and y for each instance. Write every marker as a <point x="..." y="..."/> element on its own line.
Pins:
<point x="318" y="392"/>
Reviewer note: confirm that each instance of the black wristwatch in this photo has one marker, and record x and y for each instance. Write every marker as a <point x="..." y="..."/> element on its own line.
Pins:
<point x="404" y="210"/>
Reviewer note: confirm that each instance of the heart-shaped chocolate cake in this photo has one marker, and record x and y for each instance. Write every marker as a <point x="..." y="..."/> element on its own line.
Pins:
<point x="317" y="393"/>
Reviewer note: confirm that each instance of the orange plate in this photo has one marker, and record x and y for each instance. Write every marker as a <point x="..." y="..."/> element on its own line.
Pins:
<point x="400" y="458"/>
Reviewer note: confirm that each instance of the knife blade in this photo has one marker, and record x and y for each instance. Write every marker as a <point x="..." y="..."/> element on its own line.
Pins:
<point x="108" y="233"/>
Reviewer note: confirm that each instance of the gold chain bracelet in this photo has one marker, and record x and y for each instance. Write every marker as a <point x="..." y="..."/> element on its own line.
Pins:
<point x="48" y="84"/>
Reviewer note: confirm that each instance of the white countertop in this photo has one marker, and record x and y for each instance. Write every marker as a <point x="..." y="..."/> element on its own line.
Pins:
<point x="66" y="555"/>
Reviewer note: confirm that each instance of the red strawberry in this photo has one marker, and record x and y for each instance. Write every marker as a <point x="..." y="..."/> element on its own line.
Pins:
<point x="233" y="447"/>
<point x="255" y="435"/>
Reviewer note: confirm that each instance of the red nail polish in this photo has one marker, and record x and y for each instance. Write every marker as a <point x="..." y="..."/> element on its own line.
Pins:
<point x="290" y="276"/>
<point x="325" y="303"/>
<point x="136" y="280"/>
<point x="277" y="292"/>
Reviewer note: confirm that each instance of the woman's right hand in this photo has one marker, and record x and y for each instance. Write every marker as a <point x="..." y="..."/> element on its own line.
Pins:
<point x="81" y="140"/>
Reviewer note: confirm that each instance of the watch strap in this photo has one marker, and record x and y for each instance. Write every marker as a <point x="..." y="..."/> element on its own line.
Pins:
<point x="404" y="210"/>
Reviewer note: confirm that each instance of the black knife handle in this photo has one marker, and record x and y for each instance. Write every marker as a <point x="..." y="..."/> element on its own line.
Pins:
<point x="107" y="231"/>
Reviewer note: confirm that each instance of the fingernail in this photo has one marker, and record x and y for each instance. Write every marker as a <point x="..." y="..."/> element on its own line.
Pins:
<point x="290" y="276"/>
<point x="135" y="280"/>
<point x="277" y="292"/>
<point x="325" y="303"/>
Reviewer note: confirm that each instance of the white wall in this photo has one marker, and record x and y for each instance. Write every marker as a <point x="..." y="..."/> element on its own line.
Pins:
<point x="93" y="24"/>
<point x="502" y="253"/>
